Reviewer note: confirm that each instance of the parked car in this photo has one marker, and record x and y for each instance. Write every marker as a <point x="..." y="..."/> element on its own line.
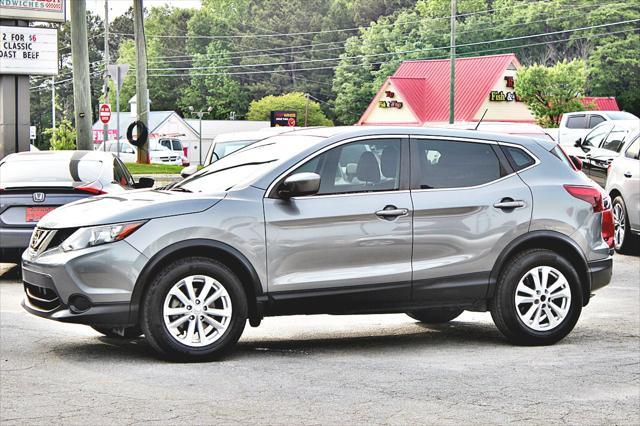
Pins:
<point x="623" y="186"/>
<point x="227" y="143"/>
<point x="600" y="146"/>
<point x="34" y="183"/>
<point x="575" y="125"/>
<point x="158" y="154"/>
<point x="516" y="129"/>
<point x="175" y="146"/>
<point x="468" y="221"/>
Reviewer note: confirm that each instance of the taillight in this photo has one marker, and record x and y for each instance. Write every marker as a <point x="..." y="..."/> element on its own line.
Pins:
<point x="608" y="228"/>
<point x="93" y="188"/>
<point x="594" y="197"/>
<point x="589" y="194"/>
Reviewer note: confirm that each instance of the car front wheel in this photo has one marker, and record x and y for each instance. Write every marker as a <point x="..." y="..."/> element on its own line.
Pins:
<point x="538" y="298"/>
<point x="195" y="309"/>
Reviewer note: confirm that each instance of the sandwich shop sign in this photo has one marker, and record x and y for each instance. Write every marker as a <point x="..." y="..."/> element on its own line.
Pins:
<point x="33" y="10"/>
<point x="28" y="50"/>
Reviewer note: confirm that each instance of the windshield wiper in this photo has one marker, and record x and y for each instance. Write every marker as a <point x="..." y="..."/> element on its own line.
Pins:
<point x="180" y="189"/>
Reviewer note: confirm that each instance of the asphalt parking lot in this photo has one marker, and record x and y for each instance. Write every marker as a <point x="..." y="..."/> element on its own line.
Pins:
<point x="374" y="369"/>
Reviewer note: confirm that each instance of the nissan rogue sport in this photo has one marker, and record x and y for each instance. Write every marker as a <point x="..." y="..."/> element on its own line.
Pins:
<point x="352" y="220"/>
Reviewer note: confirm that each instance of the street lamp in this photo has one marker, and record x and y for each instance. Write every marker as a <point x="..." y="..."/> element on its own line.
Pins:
<point x="200" y="114"/>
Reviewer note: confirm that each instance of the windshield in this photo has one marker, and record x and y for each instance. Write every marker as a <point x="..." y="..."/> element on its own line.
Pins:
<point x="244" y="166"/>
<point x="222" y="149"/>
<point x="49" y="171"/>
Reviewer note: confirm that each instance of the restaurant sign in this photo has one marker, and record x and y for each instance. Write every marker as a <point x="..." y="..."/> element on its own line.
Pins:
<point x="33" y="10"/>
<point x="391" y="103"/>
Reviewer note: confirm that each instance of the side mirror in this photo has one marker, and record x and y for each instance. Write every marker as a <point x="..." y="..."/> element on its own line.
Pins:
<point x="300" y="184"/>
<point x="188" y="171"/>
<point x="578" y="143"/>
<point x="577" y="163"/>
<point x="145" y="182"/>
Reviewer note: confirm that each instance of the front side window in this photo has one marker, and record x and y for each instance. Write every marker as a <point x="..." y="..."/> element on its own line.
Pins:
<point x="362" y="166"/>
<point x="615" y="140"/>
<point x="455" y="164"/>
<point x="577" y="122"/>
<point x="121" y="175"/>
<point x="596" y="136"/>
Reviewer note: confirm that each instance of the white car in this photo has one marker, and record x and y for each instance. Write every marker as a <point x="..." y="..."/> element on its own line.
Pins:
<point x="623" y="186"/>
<point x="175" y="146"/>
<point x="601" y="145"/>
<point x="158" y="154"/>
<point x="575" y="125"/>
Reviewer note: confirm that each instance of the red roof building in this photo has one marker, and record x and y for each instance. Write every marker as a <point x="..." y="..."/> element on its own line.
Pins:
<point x="600" y="104"/>
<point x="418" y="93"/>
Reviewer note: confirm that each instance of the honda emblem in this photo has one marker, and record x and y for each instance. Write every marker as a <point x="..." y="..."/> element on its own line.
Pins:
<point x="38" y="197"/>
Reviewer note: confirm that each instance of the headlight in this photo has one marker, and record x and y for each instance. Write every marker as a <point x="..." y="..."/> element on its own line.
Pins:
<point x="96" y="235"/>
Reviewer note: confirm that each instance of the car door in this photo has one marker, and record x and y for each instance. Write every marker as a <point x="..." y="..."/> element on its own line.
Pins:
<point x="575" y="127"/>
<point x="348" y="247"/>
<point x="601" y="156"/>
<point x="468" y="205"/>
<point x="590" y="146"/>
<point x="630" y="184"/>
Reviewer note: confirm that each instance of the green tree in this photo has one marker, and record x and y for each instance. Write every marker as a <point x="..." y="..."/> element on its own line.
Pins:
<point x="551" y="91"/>
<point x="62" y="137"/>
<point x="296" y="101"/>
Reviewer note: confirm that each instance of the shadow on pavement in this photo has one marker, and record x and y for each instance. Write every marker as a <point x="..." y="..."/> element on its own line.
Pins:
<point x="436" y="337"/>
<point x="10" y="272"/>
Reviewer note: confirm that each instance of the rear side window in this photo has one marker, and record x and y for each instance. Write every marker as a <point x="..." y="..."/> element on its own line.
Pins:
<point x="518" y="158"/>
<point x="595" y="120"/>
<point x="455" y="164"/>
<point x="632" y="152"/>
<point x="577" y="122"/>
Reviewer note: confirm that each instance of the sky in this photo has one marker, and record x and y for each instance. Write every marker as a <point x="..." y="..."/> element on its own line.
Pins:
<point x="118" y="7"/>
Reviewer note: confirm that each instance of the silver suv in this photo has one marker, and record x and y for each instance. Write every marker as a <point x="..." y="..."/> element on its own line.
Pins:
<point x="429" y="222"/>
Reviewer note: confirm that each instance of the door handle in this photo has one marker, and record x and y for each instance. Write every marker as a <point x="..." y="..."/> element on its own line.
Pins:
<point x="391" y="212"/>
<point x="508" y="203"/>
<point x="628" y="174"/>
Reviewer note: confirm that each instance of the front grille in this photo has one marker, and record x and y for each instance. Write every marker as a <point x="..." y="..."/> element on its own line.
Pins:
<point x="41" y="298"/>
<point x="43" y="239"/>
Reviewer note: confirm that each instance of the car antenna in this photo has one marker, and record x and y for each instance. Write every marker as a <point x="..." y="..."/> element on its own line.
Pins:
<point x="481" y="118"/>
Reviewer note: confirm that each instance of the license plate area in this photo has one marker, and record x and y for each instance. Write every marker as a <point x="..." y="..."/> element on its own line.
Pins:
<point x="34" y="214"/>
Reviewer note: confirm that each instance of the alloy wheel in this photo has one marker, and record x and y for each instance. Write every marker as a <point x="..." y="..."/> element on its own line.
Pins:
<point x="619" y="224"/>
<point x="197" y="310"/>
<point x="543" y="298"/>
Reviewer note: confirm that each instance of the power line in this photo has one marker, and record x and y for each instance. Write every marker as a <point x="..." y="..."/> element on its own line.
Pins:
<point x="392" y="53"/>
<point x="383" y="62"/>
<point x="234" y="36"/>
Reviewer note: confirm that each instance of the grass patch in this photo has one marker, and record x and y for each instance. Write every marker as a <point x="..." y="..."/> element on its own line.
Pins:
<point x="150" y="169"/>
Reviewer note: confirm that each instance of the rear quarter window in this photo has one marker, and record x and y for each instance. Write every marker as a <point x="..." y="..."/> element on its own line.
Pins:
<point x="577" y="122"/>
<point x="518" y="158"/>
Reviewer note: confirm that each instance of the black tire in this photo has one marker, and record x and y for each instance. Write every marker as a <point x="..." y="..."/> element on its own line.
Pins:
<point x="152" y="320"/>
<point x="503" y="308"/>
<point x="435" y="315"/>
<point x="129" y="332"/>
<point x="629" y="241"/>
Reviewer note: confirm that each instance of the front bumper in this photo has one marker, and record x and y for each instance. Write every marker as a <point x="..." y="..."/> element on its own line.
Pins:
<point x="601" y="272"/>
<point x="103" y="277"/>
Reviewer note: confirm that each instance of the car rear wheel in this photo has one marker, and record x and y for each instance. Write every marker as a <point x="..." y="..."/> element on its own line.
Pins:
<point x="622" y="238"/>
<point x="195" y="309"/>
<point x="538" y="298"/>
<point x="119" y="333"/>
<point x="436" y="315"/>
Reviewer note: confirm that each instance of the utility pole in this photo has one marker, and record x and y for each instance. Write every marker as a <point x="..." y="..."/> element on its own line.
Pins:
<point x="105" y="128"/>
<point x="200" y="114"/>
<point x="142" y="96"/>
<point x="452" y="78"/>
<point x="53" y="102"/>
<point x="81" y="82"/>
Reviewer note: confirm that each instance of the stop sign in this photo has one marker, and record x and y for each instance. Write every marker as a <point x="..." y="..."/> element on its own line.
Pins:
<point x="105" y="113"/>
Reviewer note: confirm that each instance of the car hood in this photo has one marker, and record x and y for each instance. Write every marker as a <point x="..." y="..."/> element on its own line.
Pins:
<point x="126" y="207"/>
